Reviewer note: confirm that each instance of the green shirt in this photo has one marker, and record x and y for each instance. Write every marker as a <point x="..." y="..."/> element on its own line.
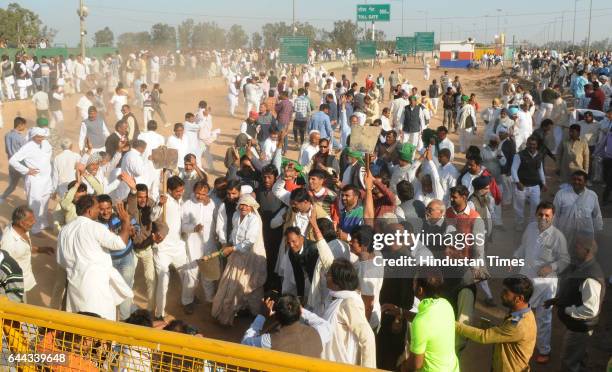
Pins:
<point x="433" y="334"/>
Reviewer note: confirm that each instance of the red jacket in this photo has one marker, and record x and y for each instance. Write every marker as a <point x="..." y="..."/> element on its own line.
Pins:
<point x="493" y="187"/>
<point x="464" y="225"/>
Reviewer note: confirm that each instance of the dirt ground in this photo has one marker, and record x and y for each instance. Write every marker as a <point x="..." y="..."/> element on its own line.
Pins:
<point x="183" y="97"/>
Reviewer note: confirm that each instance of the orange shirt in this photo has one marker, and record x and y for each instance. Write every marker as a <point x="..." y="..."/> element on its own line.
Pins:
<point x="74" y="362"/>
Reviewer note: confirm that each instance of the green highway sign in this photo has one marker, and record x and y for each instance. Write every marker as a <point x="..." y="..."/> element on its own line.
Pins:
<point x="424" y="41"/>
<point x="405" y="45"/>
<point x="294" y="49"/>
<point x="366" y="50"/>
<point x="374" y="12"/>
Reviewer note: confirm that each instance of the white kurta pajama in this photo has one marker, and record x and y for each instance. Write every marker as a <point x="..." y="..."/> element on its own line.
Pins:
<point x="540" y="248"/>
<point x="153" y="140"/>
<point x="134" y="165"/>
<point x="20" y="250"/>
<point x="64" y="170"/>
<point x="200" y="243"/>
<point x="577" y="213"/>
<point x="38" y="187"/>
<point x="242" y="280"/>
<point x="171" y="251"/>
<point x="94" y="285"/>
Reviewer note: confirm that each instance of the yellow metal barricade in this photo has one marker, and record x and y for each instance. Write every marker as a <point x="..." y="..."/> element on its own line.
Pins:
<point x="41" y="339"/>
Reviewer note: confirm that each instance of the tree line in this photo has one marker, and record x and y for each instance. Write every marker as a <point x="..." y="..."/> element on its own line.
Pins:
<point x="210" y="35"/>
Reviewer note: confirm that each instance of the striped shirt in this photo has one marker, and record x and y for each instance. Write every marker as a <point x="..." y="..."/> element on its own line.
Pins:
<point x="114" y="225"/>
<point x="301" y="106"/>
<point x="11" y="278"/>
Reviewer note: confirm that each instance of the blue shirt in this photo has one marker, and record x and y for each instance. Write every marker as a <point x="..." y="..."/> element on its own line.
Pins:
<point x="13" y="141"/>
<point x="320" y="121"/>
<point x="351" y="219"/>
<point x="114" y="225"/>
<point x="333" y="110"/>
<point x="578" y="86"/>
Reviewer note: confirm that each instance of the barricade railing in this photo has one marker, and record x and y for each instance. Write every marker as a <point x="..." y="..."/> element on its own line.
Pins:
<point x="40" y="339"/>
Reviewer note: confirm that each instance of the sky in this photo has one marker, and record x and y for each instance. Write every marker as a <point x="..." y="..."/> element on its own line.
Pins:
<point x="537" y="21"/>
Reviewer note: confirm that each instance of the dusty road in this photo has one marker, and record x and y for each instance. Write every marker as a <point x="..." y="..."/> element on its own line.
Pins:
<point x="183" y="97"/>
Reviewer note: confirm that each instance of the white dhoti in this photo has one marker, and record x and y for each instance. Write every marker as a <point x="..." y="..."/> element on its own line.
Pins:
<point x="38" y="191"/>
<point x="233" y="102"/>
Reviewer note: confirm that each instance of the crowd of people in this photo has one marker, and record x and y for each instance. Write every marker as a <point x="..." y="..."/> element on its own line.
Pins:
<point x="291" y="241"/>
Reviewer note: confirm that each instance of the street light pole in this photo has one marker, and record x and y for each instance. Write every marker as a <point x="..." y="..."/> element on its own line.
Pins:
<point x="574" y="32"/>
<point x="293" y="23"/>
<point x="403" y="1"/>
<point x="498" y="18"/>
<point x="562" y="20"/>
<point x="484" y="39"/>
<point x="82" y="12"/>
<point x="589" y="34"/>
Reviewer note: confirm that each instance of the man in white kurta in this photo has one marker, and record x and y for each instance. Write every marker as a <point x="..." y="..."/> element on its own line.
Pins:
<point x="64" y="167"/>
<point x="577" y="209"/>
<point x="523" y="127"/>
<point x="544" y="250"/>
<point x="206" y="136"/>
<point x="33" y="160"/>
<point x="153" y="140"/>
<point x="179" y="142"/>
<point x="192" y="130"/>
<point x="134" y="165"/>
<point x="84" y="246"/>
<point x="172" y="250"/>
<point x="198" y="223"/>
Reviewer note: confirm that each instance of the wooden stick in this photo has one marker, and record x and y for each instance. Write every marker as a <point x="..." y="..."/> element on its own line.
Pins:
<point x="209" y="257"/>
<point x="163" y="189"/>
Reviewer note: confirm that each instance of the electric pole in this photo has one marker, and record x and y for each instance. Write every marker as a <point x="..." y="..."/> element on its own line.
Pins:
<point x="589" y="34"/>
<point x="82" y="13"/>
<point x="562" y="19"/>
<point x="574" y="32"/>
<point x="293" y="23"/>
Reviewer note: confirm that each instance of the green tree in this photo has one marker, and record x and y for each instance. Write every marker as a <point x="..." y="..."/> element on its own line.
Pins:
<point x="19" y="26"/>
<point x="132" y="41"/>
<point x="185" y="33"/>
<point x="104" y="37"/>
<point x="236" y="37"/>
<point x="208" y="35"/>
<point x="305" y="29"/>
<point x="345" y="34"/>
<point x="163" y="36"/>
<point x="272" y="32"/>
<point x="256" y="40"/>
<point x="379" y="34"/>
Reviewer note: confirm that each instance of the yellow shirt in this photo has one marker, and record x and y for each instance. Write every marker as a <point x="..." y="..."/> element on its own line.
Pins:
<point x="514" y="340"/>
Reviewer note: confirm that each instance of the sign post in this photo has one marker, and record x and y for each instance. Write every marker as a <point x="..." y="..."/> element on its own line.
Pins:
<point x="374" y="13"/>
<point x="294" y="49"/>
<point x="366" y="49"/>
<point x="405" y="45"/>
<point x="424" y="41"/>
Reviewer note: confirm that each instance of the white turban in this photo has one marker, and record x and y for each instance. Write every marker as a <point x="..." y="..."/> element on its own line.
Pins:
<point x="37" y="131"/>
<point x="247" y="199"/>
<point x="246" y="189"/>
